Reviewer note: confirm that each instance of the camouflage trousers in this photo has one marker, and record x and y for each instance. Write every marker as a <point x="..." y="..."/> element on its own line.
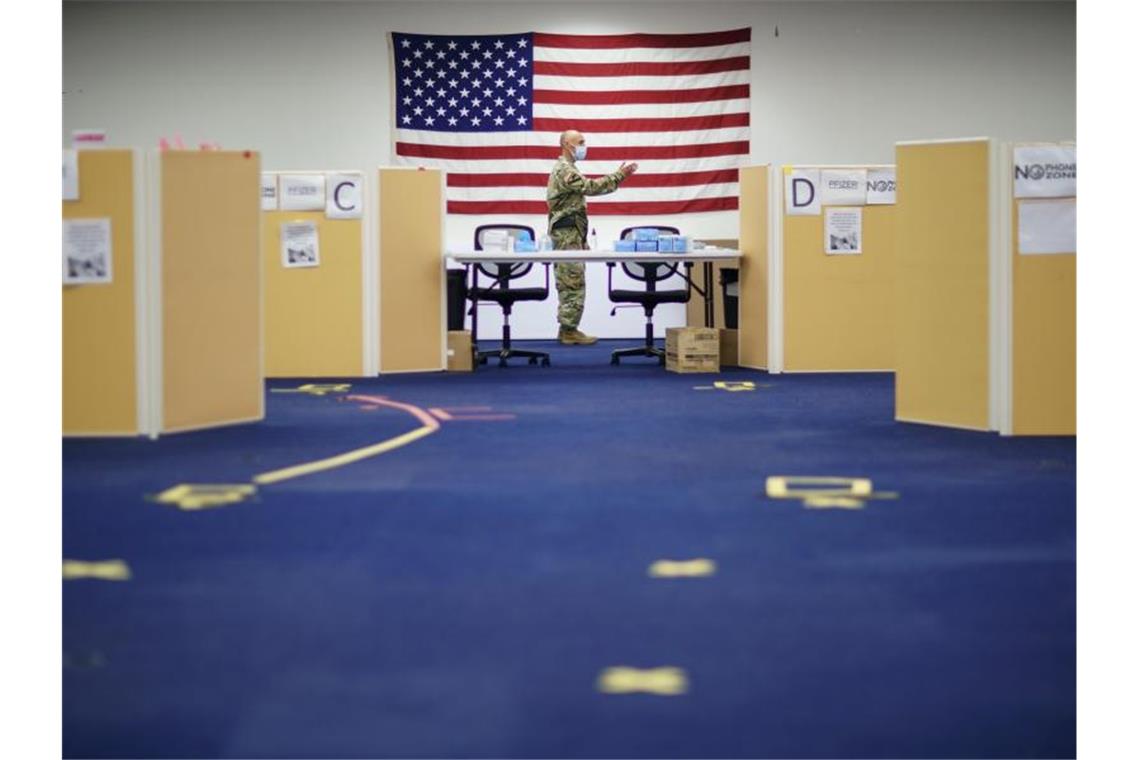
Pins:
<point x="569" y="278"/>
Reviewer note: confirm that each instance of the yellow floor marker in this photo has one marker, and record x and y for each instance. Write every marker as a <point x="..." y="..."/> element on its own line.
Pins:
<point x="825" y="491"/>
<point x="732" y="386"/>
<point x="315" y="389"/>
<point x="194" y="496"/>
<point x="665" y="682"/>
<point x="693" y="568"/>
<point x="109" y="570"/>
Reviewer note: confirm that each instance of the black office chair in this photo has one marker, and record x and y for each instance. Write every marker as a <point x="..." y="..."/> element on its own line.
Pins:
<point x="651" y="274"/>
<point x="501" y="292"/>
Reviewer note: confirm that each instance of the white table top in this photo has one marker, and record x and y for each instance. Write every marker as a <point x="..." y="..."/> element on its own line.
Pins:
<point x="470" y="256"/>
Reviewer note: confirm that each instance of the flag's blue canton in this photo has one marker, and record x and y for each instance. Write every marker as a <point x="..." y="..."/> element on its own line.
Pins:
<point x="464" y="84"/>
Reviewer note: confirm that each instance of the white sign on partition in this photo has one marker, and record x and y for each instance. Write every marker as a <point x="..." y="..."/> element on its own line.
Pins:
<point x="843" y="187"/>
<point x="1045" y="171"/>
<point x="300" y="245"/>
<point x="882" y="186"/>
<point x="801" y="191"/>
<point x="1047" y="226"/>
<point x="301" y="192"/>
<point x="842" y="230"/>
<point x="86" y="251"/>
<point x="268" y="191"/>
<point x="344" y="199"/>
<point x="70" y="175"/>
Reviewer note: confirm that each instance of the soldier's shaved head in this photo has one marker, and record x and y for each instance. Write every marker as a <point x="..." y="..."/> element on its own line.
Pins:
<point x="569" y="138"/>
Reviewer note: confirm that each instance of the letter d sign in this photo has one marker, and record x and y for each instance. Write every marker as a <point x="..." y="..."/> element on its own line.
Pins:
<point x="801" y="196"/>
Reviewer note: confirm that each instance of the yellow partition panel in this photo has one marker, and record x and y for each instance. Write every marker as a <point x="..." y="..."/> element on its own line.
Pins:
<point x="314" y="315"/>
<point x="211" y="288"/>
<point x="411" y="270"/>
<point x="1044" y="342"/>
<point x="942" y="283"/>
<point x="839" y="310"/>
<point x="753" y="303"/>
<point x="100" y="384"/>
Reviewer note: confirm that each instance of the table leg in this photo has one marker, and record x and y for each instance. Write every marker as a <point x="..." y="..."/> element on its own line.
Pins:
<point x="474" y="310"/>
<point x="710" y="312"/>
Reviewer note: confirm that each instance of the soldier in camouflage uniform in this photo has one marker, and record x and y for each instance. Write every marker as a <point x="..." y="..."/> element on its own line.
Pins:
<point x="566" y="204"/>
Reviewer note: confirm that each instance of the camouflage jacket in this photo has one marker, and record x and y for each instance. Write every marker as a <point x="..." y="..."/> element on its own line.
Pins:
<point x="567" y="189"/>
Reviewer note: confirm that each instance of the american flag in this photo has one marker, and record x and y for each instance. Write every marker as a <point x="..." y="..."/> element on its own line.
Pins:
<point x="489" y="110"/>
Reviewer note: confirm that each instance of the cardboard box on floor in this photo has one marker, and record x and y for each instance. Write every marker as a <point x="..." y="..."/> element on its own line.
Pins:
<point x="459" y="356"/>
<point x="692" y="349"/>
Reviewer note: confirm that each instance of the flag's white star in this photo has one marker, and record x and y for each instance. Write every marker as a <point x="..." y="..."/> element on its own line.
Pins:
<point x="476" y="102"/>
<point x="522" y="101"/>
<point x="405" y="43"/>
<point x="522" y="120"/>
<point x="511" y="111"/>
<point x="429" y="121"/>
<point x="498" y="82"/>
<point x="464" y="92"/>
<point x="442" y="93"/>
<point x="463" y="112"/>
<point x="487" y="93"/>
<point x="441" y="55"/>
<point x="441" y="111"/>
<point x="418" y="111"/>
<point x="511" y="91"/>
<point x="418" y="72"/>
<point x="498" y="121"/>
<point x="476" y="121"/>
<point x="407" y="81"/>
<point x="486" y="53"/>
<point x="463" y="74"/>
<point x="522" y="42"/>
<point x="418" y="53"/>
<point x="407" y="101"/>
<point x="522" y="81"/>
<point x="486" y="111"/>
<point x="510" y="54"/>
<point x="498" y="44"/>
<point x="499" y="64"/>
<point x="429" y="63"/>
<point x="407" y="119"/>
<point x="429" y="45"/>
<point x="463" y="54"/>
<point x="452" y="83"/>
<point x="452" y="64"/>
<point x="510" y="72"/>
<point x="406" y="62"/>
<point x="452" y="121"/>
<point x="453" y="102"/>
<point x="451" y="45"/>
<point x="430" y="102"/>
<point x="498" y="102"/>
<point x="419" y="92"/>
<point x="475" y="45"/>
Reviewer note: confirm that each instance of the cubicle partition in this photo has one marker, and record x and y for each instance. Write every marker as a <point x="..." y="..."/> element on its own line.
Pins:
<point x="315" y="314"/>
<point x="412" y="273"/>
<point x="754" y="304"/>
<point x="173" y="341"/>
<point x="837" y="309"/>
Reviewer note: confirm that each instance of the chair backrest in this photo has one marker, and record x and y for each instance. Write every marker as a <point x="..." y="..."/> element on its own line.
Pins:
<point x="503" y="272"/>
<point x="650" y="274"/>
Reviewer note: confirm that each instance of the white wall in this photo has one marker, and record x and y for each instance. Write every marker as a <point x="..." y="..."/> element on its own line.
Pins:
<point x="306" y="83"/>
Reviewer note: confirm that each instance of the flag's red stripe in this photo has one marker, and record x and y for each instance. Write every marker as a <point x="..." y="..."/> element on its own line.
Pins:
<point x="629" y="208"/>
<point x="680" y="124"/>
<point x="630" y="97"/>
<point x="628" y="153"/>
<point x="610" y="41"/>
<point x="677" y="179"/>
<point x="641" y="69"/>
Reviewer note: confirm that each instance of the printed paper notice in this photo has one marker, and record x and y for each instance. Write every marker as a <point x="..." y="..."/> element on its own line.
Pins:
<point x="344" y="196"/>
<point x="268" y="192"/>
<point x="881" y="187"/>
<point x="1045" y="171"/>
<point x="843" y="230"/>
<point x="1047" y="226"/>
<point x="86" y="251"/>
<point x="70" y="175"/>
<point x="299" y="245"/>
<point x="801" y="191"/>
<point x="843" y="187"/>
<point x="301" y="192"/>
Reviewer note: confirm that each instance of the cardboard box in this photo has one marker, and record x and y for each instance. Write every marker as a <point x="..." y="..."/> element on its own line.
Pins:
<point x="692" y="349"/>
<point x="729" y="348"/>
<point x="459" y="358"/>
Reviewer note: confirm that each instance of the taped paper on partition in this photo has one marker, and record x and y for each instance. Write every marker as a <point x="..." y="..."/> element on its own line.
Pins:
<point x="301" y="192"/>
<point x="881" y="187"/>
<point x="344" y="196"/>
<point x="801" y="192"/>
<point x="1045" y="171"/>
<point x="843" y="187"/>
<point x="86" y="251"/>
<point x="843" y="230"/>
<point x="1047" y="226"/>
<point x="300" y="246"/>
<point x="70" y="175"/>
<point x="268" y="191"/>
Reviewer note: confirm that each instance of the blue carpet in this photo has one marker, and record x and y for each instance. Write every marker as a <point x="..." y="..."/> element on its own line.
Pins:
<point x="460" y="595"/>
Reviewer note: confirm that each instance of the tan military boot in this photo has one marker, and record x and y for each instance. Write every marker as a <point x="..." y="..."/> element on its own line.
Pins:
<point x="575" y="337"/>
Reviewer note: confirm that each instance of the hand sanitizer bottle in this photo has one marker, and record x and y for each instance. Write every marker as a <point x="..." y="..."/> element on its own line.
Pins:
<point x="594" y="239"/>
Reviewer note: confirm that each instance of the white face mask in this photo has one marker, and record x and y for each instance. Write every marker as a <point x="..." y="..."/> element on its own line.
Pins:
<point x="579" y="152"/>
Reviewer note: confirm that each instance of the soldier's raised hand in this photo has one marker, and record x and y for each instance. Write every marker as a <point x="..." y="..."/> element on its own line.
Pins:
<point x="627" y="169"/>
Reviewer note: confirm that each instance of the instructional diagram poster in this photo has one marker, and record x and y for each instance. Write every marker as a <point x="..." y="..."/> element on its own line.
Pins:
<point x="300" y="246"/>
<point x="881" y="186"/>
<point x="1045" y="171"/>
<point x="843" y="230"/>
<point x="344" y="196"/>
<point x="1047" y="226"/>
<point x="86" y="251"/>
<point x="301" y="192"/>
<point x="70" y="175"/>
<point x="843" y="187"/>
<point x="268" y="192"/>
<point x="801" y="192"/>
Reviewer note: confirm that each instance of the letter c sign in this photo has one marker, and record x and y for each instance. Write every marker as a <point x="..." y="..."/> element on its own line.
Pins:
<point x="344" y="197"/>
